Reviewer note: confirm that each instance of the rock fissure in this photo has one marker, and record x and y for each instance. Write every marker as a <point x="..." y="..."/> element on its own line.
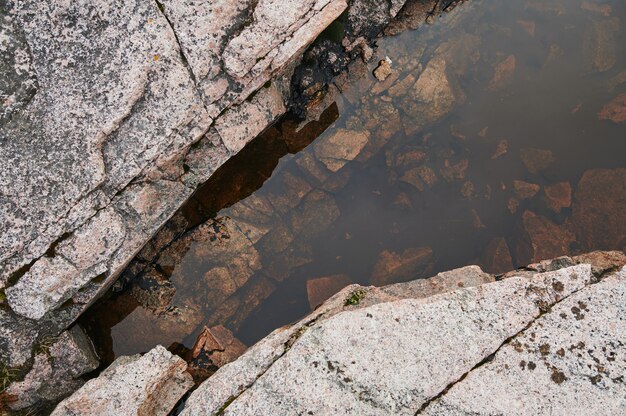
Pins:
<point x="286" y="346"/>
<point x="183" y="58"/>
<point x="512" y="338"/>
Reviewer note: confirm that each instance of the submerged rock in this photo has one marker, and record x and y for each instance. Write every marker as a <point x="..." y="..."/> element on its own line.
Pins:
<point x="340" y="147"/>
<point x="546" y="238"/>
<point x="383" y="70"/>
<point x="317" y="211"/>
<point x="525" y="190"/>
<point x="536" y="160"/>
<point x="321" y="288"/>
<point x="599" y="45"/>
<point x="236" y="309"/>
<point x="558" y="196"/>
<point x="599" y="209"/>
<point x="454" y="171"/>
<point x="496" y="257"/>
<point x="504" y="72"/>
<point x="137" y="385"/>
<point x="213" y="348"/>
<point x="603" y="9"/>
<point x="430" y="98"/>
<point x="394" y="267"/>
<point x="615" y="110"/>
<point x="501" y="149"/>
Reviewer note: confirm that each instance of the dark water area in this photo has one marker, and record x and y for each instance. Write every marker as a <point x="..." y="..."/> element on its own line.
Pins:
<point x="498" y="139"/>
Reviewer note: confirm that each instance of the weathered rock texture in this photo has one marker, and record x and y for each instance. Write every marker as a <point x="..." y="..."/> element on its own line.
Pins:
<point x="56" y="370"/>
<point x="546" y="339"/>
<point x="101" y="103"/>
<point x="138" y="385"/>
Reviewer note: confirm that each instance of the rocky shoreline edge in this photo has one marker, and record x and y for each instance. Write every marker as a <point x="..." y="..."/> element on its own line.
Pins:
<point x="545" y="339"/>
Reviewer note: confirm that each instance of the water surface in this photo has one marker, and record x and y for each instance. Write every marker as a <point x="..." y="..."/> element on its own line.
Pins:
<point x="501" y="169"/>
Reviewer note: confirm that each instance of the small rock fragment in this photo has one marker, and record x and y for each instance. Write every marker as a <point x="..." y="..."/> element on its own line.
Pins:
<point x="412" y="177"/>
<point x="512" y="204"/>
<point x="501" y="149"/>
<point x="213" y="348"/>
<point x="383" y="70"/>
<point x="476" y="221"/>
<point x="503" y="73"/>
<point x="403" y="201"/>
<point x="525" y="190"/>
<point x="456" y="171"/>
<point x="468" y="190"/>
<point x="427" y="175"/>
<point x="340" y="147"/>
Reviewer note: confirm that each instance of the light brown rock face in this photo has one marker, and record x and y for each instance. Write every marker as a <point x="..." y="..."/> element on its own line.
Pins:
<point x="598" y="216"/>
<point x="337" y="149"/>
<point x="402" y="355"/>
<point x="148" y="385"/>
<point x="431" y="96"/>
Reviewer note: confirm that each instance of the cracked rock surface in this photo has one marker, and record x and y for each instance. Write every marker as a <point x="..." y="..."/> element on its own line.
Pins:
<point x="137" y="385"/>
<point x="543" y="340"/>
<point x="100" y="104"/>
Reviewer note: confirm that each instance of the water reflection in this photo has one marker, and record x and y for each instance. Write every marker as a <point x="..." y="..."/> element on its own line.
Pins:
<point x="496" y="139"/>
